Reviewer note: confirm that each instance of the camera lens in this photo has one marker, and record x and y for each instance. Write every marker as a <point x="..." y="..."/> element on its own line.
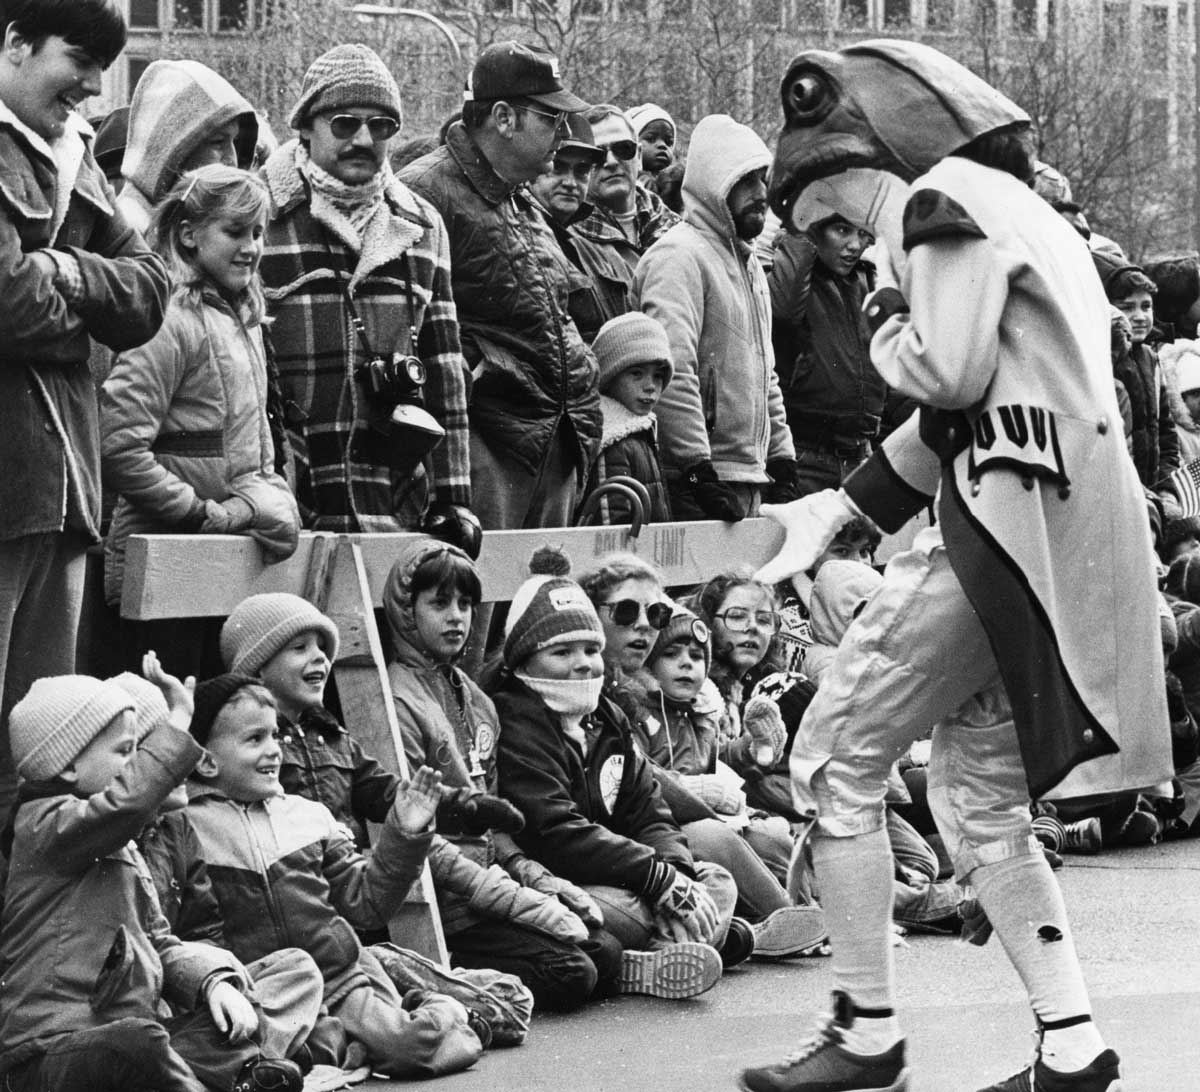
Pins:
<point x="415" y="370"/>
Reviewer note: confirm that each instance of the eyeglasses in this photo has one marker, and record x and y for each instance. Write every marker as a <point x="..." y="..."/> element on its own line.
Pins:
<point x="580" y="171"/>
<point x="739" y="619"/>
<point x="559" y="117"/>
<point x="624" y="150"/>
<point x="381" y="127"/>
<point x="626" y="612"/>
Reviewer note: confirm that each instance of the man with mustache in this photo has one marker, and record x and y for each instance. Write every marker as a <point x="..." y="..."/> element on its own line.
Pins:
<point x="722" y="428"/>
<point x="357" y="276"/>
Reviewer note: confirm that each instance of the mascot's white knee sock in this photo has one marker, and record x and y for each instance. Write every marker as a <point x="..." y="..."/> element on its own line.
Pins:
<point x="1023" y="901"/>
<point x="854" y="885"/>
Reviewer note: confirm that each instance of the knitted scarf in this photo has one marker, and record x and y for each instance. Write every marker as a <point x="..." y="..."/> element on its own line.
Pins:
<point x="355" y="205"/>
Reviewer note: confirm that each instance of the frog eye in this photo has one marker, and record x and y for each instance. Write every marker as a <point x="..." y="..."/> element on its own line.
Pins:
<point x="808" y="95"/>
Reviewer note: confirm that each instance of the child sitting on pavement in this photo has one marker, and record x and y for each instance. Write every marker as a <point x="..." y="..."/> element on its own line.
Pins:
<point x="287" y="874"/>
<point x="287" y="985"/>
<point x="86" y="955"/>
<point x="499" y="908"/>
<point x="593" y="812"/>
<point x="634" y="357"/>
<point x="681" y="743"/>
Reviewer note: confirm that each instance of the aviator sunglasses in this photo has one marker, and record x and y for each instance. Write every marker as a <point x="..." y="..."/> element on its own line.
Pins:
<point x="381" y="127"/>
<point x="625" y="612"/>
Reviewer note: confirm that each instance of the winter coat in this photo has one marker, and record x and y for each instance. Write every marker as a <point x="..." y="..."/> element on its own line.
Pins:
<point x="49" y="431"/>
<point x="325" y="763"/>
<point x="287" y="875"/>
<point x="80" y="894"/>
<point x="590" y="303"/>
<point x="704" y="285"/>
<point x="1155" y="443"/>
<point x="183" y="420"/>
<point x="532" y="371"/>
<point x="171" y="850"/>
<point x="839" y="593"/>
<point x="831" y="390"/>
<point x="1185" y="659"/>
<point x="628" y="447"/>
<point x="344" y="455"/>
<point x="450" y="725"/>
<point x="1041" y="512"/>
<point x="594" y="820"/>
<point x="1187" y="431"/>
<point x="176" y="106"/>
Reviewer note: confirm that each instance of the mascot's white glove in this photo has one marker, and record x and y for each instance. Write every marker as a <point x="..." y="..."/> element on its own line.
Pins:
<point x="809" y="525"/>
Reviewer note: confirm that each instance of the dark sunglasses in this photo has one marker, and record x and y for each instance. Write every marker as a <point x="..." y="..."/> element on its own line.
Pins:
<point x="625" y="612"/>
<point x="381" y="127"/>
<point x="624" y="150"/>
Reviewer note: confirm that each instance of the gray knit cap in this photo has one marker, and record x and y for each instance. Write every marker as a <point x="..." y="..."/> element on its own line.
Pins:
<point x="627" y="340"/>
<point x="261" y="625"/>
<point x="149" y="705"/>
<point x="350" y="75"/>
<point x="50" y="727"/>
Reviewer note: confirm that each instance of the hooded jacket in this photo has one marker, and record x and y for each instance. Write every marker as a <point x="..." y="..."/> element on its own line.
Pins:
<point x="1040" y="509"/>
<point x="704" y="285"/>
<point x="176" y="106"/>
<point x="532" y="371"/>
<point x="450" y="725"/>
<point x="628" y="447"/>
<point x="1180" y="359"/>
<point x="183" y="420"/>
<point x="84" y="941"/>
<point x="839" y="593"/>
<point x="49" y="432"/>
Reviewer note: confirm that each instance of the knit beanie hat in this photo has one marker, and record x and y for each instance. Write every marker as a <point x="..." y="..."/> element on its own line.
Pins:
<point x="211" y="697"/>
<point x="630" y="339"/>
<point x="548" y="609"/>
<point x="1183" y="578"/>
<point x="684" y="625"/>
<point x="149" y="705"/>
<point x="57" y="719"/>
<point x="641" y="116"/>
<point x="346" y="75"/>
<point x="262" y="624"/>
<point x="1178" y="280"/>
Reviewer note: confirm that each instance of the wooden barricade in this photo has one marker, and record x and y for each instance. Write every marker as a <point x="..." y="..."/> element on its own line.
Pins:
<point x="189" y="576"/>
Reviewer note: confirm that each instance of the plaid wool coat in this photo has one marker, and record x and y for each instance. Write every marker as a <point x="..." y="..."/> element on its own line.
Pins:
<point x="344" y="480"/>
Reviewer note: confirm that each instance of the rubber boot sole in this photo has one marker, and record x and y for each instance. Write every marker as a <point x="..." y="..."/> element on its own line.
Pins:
<point x="678" y="971"/>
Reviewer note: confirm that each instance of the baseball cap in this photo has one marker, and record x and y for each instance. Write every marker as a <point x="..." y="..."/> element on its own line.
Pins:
<point x="579" y="138"/>
<point x="512" y="70"/>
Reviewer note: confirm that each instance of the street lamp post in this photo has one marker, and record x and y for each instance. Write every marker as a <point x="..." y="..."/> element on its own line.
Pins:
<point x="387" y="10"/>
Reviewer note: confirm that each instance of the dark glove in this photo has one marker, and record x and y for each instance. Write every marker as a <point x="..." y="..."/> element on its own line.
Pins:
<point x="465" y="811"/>
<point x="784" y="485"/>
<point x="881" y="305"/>
<point x="455" y="524"/>
<point x="714" y="498"/>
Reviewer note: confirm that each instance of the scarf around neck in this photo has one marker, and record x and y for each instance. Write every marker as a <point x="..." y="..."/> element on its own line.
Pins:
<point x="354" y="204"/>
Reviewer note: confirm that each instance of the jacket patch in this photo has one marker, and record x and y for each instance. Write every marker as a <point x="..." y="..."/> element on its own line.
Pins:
<point x="1020" y="438"/>
<point x="931" y="214"/>
<point x="611" y="775"/>
<point x="485" y="741"/>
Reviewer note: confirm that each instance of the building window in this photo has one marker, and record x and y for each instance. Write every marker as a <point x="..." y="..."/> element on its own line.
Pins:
<point x="135" y="68"/>
<point x="1154" y="37"/>
<point x="854" y="13"/>
<point x="233" y="14"/>
<point x="1024" y="17"/>
<point x="189" y="14"/>
<point x="896" y="14"/>
<point x="144" y="14"/>
<point x="939" y="14"/>
<point x="1155" y="124"/>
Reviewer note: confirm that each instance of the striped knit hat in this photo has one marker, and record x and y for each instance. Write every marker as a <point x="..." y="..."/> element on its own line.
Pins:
<point x="548" y="609"/>
<point x="261" y="625"/>
<point x="346" y="75"/>
<point x="50" y="727"/>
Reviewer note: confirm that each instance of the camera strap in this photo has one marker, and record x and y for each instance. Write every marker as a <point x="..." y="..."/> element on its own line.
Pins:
<point x="360" y="327"/>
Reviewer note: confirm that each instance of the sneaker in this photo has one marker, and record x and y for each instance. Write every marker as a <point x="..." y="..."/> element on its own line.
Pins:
<point x="1049" y="830"/>
<point x="739" y="943"/>
<point x="269" y="1075"/>
<point x="824" y="1065"/>
<point x="675" y="972"/>
<point x="1083" y="836"/>
<point x="789" y="931"/>
<point x="1102" y="1075"/>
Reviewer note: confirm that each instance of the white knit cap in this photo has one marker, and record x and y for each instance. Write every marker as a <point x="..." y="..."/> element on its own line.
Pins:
<point x="641" y="116"/>
<point x="1187" y="371"/>
<point x="51" y="726"/>
<point x="149" y="705"/>
<point x="261" y="625"/>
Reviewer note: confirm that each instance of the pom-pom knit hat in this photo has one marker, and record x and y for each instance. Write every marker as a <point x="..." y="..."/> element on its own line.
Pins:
<point x="149" y="705"/>
<point x="261" y="625"/>
<point x="548" y="609"/>
<point x="347" y="75"/>
<point x="683" y="626"/>
<point x="58" y="718"/>
<point x="629" y="339"/>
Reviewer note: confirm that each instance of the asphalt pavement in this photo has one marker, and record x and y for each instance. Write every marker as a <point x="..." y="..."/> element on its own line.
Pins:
<point x="1136" y="917"/>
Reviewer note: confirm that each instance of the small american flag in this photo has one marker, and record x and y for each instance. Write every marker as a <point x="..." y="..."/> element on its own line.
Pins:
<point x="1186" y="483"/>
